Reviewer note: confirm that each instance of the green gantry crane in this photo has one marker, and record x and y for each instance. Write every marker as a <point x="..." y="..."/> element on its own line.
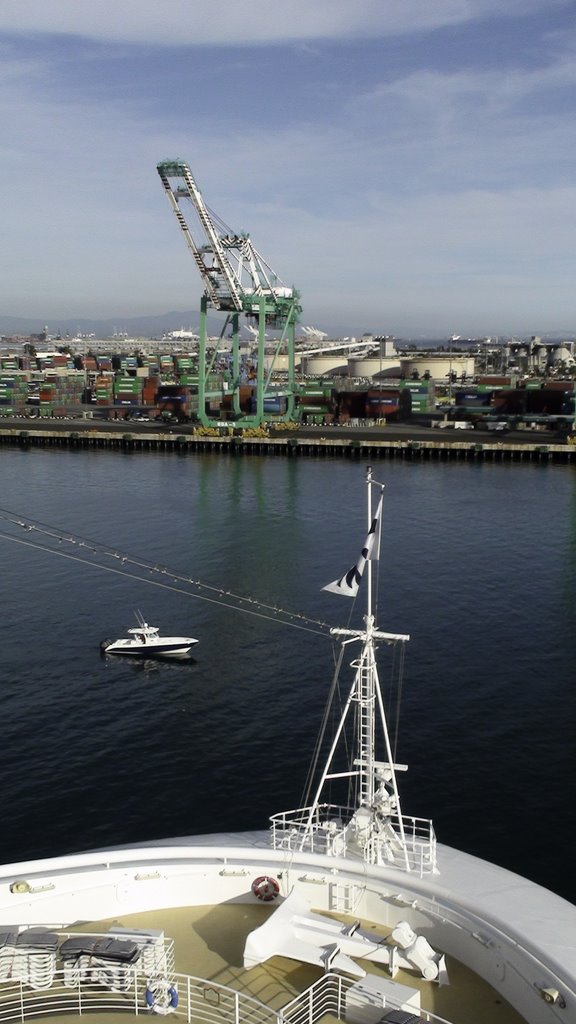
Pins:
<point x="239" y="282"/>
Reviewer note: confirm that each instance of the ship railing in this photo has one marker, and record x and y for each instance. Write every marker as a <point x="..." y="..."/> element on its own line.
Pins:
<point x="192" y="999"/>
<point x="133" y="992"/>
<point x="419" y="852"/>
<point x="318" y="829"/>
<point x="402" y="841"/>
<point x="328" y="996"/>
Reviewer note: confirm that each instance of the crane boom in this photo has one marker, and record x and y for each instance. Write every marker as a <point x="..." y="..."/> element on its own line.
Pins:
<point x="219" y="280"/>
<point x="236" y="277"/>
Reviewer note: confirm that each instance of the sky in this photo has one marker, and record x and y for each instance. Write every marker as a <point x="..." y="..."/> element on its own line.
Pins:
<point x="408" y="165"/>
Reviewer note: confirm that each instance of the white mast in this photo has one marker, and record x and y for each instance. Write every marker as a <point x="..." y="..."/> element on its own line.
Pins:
<point x="374" y="827"/>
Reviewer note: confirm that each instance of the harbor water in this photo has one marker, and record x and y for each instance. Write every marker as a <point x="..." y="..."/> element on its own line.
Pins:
<point x="478" y="564"/>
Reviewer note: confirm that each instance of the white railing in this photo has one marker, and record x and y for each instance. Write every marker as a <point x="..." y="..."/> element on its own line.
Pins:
<point x="197" y="1001"/>
<point x="205" y="1002"/>
<point x="325" y="996"/>
<point x="328" y="996"/>
<point x="193" y="999"/>
<point x="406" y="842"/>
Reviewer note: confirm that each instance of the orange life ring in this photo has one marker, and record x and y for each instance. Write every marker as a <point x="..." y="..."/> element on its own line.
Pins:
<point x="265" y="888"/>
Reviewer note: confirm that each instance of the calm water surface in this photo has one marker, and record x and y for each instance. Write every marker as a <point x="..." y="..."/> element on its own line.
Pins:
<point x="478" y="565"/>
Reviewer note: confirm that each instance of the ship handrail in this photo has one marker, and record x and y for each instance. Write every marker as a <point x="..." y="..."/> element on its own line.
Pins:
<point x="323" y="828"/>
<point x="420" y="826"/>
<point x="327" y="996"/>
<point x="200" y="1000"/>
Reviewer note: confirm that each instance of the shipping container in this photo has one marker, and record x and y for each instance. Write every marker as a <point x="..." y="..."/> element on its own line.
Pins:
<point x="548" y="402"/>
<point x="510" y="402"/>
<point x="350" y="405"/>
<point x="388" y="403"/>
<point x="420" y="386"/>
<point x="496" y="380"/>
<point x="473" y="399"/>
<point x="272" y="405"/>
<point x="319" y="397"/>
<point x="313" y="410"/>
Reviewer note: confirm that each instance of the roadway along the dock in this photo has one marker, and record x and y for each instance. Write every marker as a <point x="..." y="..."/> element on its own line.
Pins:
<point x="412" y="431"/>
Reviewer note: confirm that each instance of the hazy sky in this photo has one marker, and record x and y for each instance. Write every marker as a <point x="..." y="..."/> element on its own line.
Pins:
<point x="409" y="165"/>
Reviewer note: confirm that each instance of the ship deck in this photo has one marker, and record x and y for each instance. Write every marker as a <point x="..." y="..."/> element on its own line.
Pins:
<point x="209" y="943"/>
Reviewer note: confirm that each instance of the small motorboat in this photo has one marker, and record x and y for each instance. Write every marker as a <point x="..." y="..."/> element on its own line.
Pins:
<point x="145" y="641"/>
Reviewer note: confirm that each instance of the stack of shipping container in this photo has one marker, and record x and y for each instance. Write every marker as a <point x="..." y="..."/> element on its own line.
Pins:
<point x="422" y="394"/>
<point x="104" y="390"/>
<point x="57" y="384"/>
<point x="127" y="390"/>
<point x="13" y="393"/>
<point x="315" y="401"/>
<point x="59" y="394"/>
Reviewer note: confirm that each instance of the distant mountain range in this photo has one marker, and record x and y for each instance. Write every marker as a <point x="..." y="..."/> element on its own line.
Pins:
<point x="156" y="326"/>
<point x="134" y="327"/>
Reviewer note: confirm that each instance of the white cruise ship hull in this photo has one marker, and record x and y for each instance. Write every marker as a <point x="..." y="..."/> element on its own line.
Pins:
<point x="517" y="936"/>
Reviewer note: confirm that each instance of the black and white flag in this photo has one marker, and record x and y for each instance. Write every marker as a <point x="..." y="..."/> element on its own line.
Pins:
<point x="348" y="584"/>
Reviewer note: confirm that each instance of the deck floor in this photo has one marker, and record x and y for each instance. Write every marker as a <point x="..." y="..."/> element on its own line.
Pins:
<point x="209" y="943"/>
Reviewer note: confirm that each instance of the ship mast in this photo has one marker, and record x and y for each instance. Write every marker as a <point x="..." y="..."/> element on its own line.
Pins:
<point x="374" y="827"/>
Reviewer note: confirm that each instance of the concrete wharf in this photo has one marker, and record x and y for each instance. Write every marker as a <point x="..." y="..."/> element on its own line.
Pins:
<point x="91" y="438"/>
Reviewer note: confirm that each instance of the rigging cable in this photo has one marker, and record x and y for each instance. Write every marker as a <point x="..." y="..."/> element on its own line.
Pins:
<point x="334" y="688"/>
<point x="204" y="591"/>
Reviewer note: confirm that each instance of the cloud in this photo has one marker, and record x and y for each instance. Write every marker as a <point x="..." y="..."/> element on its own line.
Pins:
<point x="444" y="131"/>
<point x="408" y="192"/>
<point x="253" y="22"/>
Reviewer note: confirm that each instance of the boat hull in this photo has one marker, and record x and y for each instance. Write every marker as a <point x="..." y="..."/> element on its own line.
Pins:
<point x="179" y="647"/>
